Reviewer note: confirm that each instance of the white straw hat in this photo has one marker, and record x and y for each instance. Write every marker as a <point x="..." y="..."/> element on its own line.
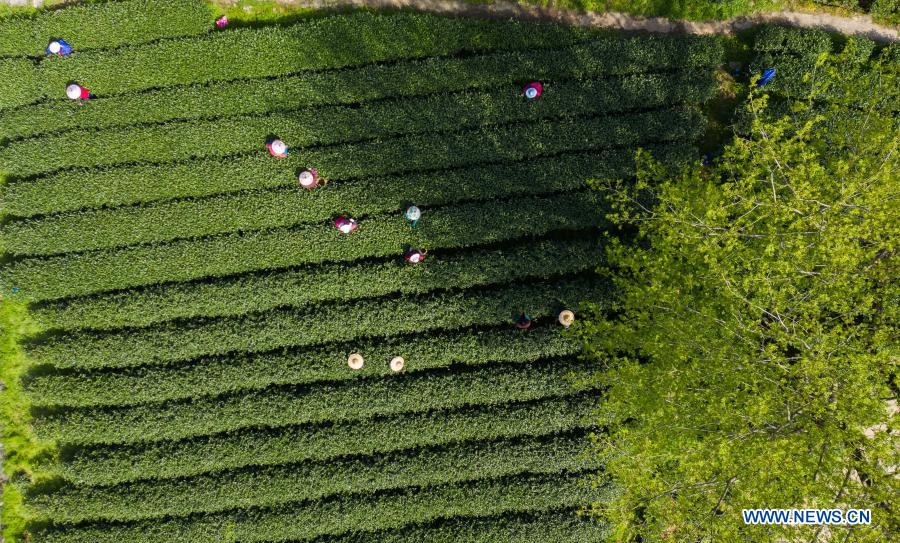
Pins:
<point x="73" y="91"/>
<point x="307" y="179"/>
<point x="279" y="147"/>
<point x="355" y="361"/>
<point x="55" y="47"/>
<point x="566" y="318"/>
<point x="397" y="363"/>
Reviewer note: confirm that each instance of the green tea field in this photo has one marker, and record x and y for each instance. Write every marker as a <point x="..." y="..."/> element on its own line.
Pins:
<point x="189" y="313"/>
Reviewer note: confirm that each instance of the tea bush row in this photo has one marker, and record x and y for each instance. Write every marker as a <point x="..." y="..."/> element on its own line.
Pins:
<point x="227" y="374"/>
<point x="115" y="464"/>
<point x="336" y="41"/>
<point x="326" y="323"/>
<point x="274" y="407"/>
<point x="378" y="236"/>
<point x="104" y="25"/>
<point x="76" y="189"/>
<point x="231" y="296"/>
<point x="341" y="124"/>
<point x="358" y="84"/>
<point x="271" y="486"/>
<point x="284" y="207"/>
<point x="350" y="514"/>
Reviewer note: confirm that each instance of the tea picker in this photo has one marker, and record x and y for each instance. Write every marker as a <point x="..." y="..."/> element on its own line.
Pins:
<point x="413" y="214"/>
<point x="524" y="322"/>
<point x="76" y="92"/>
<point x="533" y="90"/>
<point x="309" y="179"/>
<point x="59" y="47"/>
<point x="345" y="225"/>
<point x="355" y="361"/>
<point x="566" y="318"/>
<point x="277" y="148"/>
<point x="766" y="77"/>
<point x="397" y="364"/>
<point x="414" y="256"/>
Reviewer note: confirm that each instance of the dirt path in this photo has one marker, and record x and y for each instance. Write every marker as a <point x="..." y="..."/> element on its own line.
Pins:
<point x="859" y="25"/>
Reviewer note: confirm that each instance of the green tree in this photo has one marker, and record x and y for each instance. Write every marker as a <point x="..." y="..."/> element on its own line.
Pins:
<point x="751" y="358"/>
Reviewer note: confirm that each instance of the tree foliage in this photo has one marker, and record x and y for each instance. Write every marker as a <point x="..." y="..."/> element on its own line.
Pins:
<point x="750" y="360"/>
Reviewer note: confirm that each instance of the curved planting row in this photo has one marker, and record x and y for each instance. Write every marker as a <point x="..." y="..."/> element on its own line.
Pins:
<point x="342" y="124"/>
<point x="283" y="207"/>
<point x="282" y="406"/>
<point x="558" y="526"/>
<point x="330" y="42"/>
<point x="362" y="513"/>
<point x="458" y="226"/>
<point x="360" y="84"/>
<point x="238" y="295"/>
<point x="270" y="486"/>
<point x="226" y="374"/>
<point x="78" y="189"/>
<point x="281" y="328"/>
<point x="115" y="464"/>
<point x="104" y="25"/>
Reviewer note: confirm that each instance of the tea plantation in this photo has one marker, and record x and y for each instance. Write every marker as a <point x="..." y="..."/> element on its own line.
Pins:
<point x="193" y="308"/>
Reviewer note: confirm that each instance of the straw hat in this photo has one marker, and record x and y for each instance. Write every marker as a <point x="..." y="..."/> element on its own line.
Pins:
<point x="279" y="147"/>
<point x="397" y="363"/>
<point x="355" y="361"/>
<point x="54" y="47"/>
<point x="566" y="318"/>
<point x="307" y="179"/>
<point x="73" y="91"/>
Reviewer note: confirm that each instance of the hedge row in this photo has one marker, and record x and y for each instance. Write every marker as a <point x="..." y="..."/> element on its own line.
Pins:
<point x="798" y="41"/>
<point x="110" y="24"/>
<point x="18" y="82"/>
<point x="378" y="236"/>
<point x="562" y="526"/>
<point x="102" y="229"/>
<point x="243" y="294"/>
<point x="331" y="42"/>
<point x="220" y="375"/>
<point x="274" y="407"/>
<point x="114" y="464"/>
<point x="281" y="328"/>
<point x="343" y="124"/>
<point x="271" y="486"/>
<point x="77" y="189"/>
<point x="351" y="514"/>
<point x="354" y="85"/>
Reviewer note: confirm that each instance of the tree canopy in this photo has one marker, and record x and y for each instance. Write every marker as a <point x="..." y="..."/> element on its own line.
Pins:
<point x="750" y="360"/>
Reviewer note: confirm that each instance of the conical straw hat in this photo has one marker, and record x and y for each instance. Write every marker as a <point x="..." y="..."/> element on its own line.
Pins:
<point x="397" y="363"/>
<point x="279" y="147"/>
<point x="355" y="361"/>
<point x="566" y="318"/>
<point x="54" y="47"/>
<point x="73" y="91"/>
